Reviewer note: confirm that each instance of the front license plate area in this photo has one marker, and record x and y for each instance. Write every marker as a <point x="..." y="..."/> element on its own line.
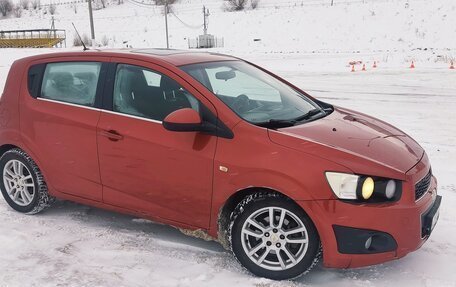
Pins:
<point x="429" y="218"/>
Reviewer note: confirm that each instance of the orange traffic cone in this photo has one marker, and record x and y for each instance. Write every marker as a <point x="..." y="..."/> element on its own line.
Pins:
<point x="451" y="65"/>
<point x="375" y="65"/>
<point x="364" y="67"/>
<point x="353" y="68"/>
<point x="412" y="66"/>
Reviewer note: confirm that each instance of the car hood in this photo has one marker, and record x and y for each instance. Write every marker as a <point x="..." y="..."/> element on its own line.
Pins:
<point x="345" y="135"/>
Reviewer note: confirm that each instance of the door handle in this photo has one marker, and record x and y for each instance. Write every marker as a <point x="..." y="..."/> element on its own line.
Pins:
<point x="112" y="135"/>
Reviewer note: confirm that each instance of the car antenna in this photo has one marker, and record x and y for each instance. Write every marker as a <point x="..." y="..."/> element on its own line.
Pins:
<point x="80" y="39"/>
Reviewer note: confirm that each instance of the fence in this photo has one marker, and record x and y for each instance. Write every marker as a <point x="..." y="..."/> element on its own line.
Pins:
<point x="38" y="38"/>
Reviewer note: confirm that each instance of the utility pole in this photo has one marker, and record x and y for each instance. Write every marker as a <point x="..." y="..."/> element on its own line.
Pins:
<point x="92" y="29"/>
<point x="52" y="23"/>
<point x="53" y="27"/>
<point x="166" y="23"/>
<point x="205" y="14"/>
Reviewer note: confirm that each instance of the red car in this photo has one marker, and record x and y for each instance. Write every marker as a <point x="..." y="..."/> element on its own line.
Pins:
<point x="216" y="144"/>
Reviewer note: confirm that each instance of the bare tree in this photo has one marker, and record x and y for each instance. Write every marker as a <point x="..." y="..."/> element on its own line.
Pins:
<point x="254" y="4"/>
<point x="105" y="41"/>
<point x="36" y="4"/>
<point x="25" y="4"/>
<point x="102" y="2"/>
<point x="52" y="8"/>
<point x="5" y="7"/>
<point x="77" y="42"/>
<point x="235" y="5"/>
<point x="17" y="10"/>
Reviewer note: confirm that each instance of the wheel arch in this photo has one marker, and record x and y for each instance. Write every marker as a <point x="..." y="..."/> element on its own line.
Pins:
<point x="6" y="147"/>
<point x="41" y="199"/>
<point x="12" y="145"/>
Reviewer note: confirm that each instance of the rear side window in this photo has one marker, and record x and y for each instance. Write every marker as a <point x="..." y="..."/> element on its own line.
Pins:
<point x="71" y="82"/>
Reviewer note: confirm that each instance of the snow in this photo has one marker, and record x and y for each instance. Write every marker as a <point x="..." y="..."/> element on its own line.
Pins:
<point x="282" y="26"/>
<point x="309" y="45"/>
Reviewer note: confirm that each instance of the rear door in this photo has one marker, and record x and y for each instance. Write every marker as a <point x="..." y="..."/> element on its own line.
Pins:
<point x="59" y="115"/>
<point x="144" y="167"/>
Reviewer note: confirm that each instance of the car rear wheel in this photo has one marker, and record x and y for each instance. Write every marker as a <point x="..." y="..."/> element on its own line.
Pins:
<point x="273" y="237"/>
<point x="22" y="184"/>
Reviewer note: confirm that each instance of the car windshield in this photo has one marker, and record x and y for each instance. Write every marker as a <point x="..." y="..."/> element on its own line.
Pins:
<point x="254" y="95"/>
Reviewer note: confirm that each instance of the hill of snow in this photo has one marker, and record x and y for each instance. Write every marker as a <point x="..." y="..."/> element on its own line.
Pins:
<point x="281" y="26"/>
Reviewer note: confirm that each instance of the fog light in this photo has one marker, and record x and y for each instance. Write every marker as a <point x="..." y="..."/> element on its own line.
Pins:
<point x="368" y="243"/>
<point x="390" y="189"/>
<point x="368" y="188"/>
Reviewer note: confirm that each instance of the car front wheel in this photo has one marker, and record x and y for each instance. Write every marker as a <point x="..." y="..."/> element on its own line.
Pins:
<point x="273" y="237"/>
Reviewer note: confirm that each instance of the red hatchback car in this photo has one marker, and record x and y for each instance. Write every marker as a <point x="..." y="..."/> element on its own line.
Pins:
<point x="215" y="144"/>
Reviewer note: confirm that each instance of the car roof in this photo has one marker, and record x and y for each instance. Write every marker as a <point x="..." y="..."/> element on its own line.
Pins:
<point x="184" y="57"/>
<point x="172" y="56"/>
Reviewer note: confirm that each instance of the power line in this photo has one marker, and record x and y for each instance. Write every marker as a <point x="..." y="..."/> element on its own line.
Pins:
<point x="185" y="24"/>
<point x="142" y="5"/>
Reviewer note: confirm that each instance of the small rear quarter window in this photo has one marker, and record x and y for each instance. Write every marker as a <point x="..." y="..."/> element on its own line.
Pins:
<point x="35" y="75"/>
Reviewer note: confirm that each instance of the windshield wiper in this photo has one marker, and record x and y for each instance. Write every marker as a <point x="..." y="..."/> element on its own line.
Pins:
<point x="308" y="115"/>
<point x="277" y="123"/>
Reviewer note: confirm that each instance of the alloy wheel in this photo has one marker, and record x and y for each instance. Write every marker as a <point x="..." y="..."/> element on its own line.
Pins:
<point x="274" y="238"/>
<point x="18" y="182"/>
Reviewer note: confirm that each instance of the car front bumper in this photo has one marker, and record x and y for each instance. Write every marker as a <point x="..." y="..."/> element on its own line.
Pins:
<point x="396" y="228"/>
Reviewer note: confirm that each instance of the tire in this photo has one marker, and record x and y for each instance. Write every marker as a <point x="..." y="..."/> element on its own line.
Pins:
<point x="252" y="215"/>
<point x="26" y="193"/>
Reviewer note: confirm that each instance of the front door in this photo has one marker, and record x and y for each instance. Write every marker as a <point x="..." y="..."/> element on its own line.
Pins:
<point x="144" y="167"/>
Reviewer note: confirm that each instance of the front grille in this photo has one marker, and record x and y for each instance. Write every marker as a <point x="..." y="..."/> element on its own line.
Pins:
<point x="422" y="186"/>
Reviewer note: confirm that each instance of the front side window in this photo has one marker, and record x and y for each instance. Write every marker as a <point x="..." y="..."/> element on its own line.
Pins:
<point x="145" y="93"/>
<point x="71" y="82"/>
<point x="253" y="94"/>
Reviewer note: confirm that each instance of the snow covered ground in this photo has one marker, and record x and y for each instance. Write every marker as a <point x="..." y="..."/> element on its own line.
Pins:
<point x="75" y="245"/>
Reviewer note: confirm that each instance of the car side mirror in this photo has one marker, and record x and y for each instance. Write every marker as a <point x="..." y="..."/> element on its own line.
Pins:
<point x="183" y="120"/>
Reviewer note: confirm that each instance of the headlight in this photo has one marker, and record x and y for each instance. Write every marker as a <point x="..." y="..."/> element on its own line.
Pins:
<point x="367" y="188"/>
<point x="390" y="189"/>
<point x="363" y="188"/>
